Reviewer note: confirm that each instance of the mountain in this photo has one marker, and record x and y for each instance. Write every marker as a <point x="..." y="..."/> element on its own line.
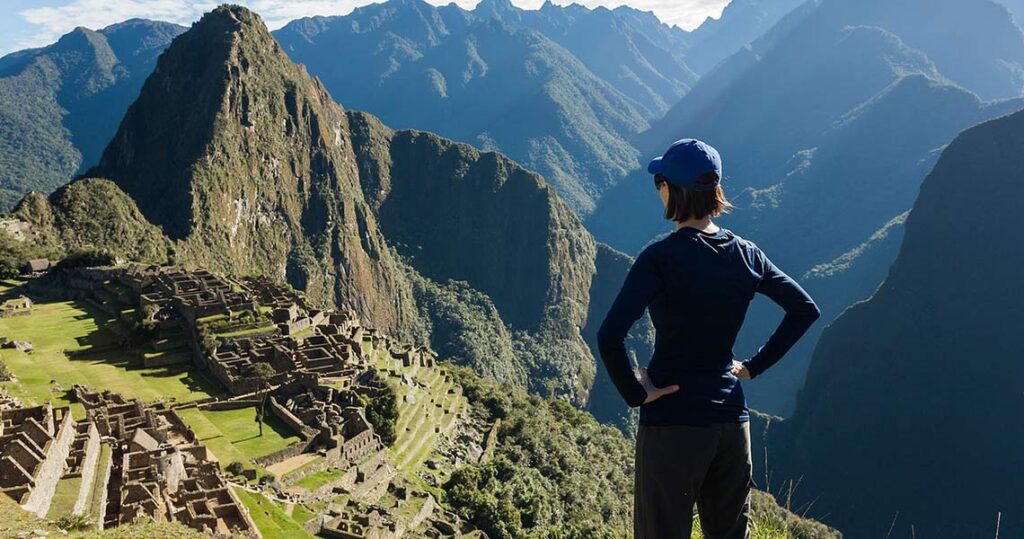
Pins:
<point x="826" y="133"/>
<point x="908" y="391"/>
<point x="90" y="214"/>
<point x="234" y="159"/>
<point x="543" y="86"/>
<point x="632" y="50"/>
<point x="59" y="105"/>
<point x="741" y="22"/>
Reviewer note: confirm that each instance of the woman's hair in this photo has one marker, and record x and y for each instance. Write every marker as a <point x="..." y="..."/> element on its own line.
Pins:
<point x="686" y="203"/>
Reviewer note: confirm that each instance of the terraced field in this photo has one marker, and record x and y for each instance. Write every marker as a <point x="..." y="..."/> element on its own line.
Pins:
<point x="233" y="435"/>
<point x="432" y="411"/>
<point x="272" y="517"/>
<point x="47" y="373"/>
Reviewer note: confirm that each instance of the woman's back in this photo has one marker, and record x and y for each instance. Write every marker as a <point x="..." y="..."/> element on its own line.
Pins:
<point x="698" y="286"/>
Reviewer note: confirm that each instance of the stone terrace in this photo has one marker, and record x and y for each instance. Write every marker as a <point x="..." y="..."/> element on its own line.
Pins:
<point x="160" y="471"/>
<point x="34" y="446"/>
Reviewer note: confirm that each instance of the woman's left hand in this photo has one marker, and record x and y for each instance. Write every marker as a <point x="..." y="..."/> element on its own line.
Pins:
<point x="739" y="370"/>
<point x="653" y="392"/>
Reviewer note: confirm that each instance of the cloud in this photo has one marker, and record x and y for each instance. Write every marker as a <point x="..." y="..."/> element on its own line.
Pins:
<point x="54" y="21"/>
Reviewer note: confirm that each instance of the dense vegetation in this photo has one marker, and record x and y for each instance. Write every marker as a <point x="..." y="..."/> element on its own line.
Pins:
<point x="92" y="215"/>
<point x="554" y="471"/>
<point x="382" y="409"/>
<point x="59" y="105"/>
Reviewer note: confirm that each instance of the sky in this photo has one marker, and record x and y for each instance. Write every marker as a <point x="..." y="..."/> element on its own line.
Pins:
<point x="35" y="23"/>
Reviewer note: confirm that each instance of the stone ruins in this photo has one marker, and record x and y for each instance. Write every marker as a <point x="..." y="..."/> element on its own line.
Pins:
<point x="324" y="366"/>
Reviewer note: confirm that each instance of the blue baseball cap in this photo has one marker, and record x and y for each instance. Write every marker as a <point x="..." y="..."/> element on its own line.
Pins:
<point x="687" y="160"/>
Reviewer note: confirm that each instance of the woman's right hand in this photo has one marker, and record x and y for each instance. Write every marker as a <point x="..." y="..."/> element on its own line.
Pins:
<point x="654" y="393"/>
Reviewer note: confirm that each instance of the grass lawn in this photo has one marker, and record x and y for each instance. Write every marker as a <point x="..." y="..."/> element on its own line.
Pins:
<point x="234" y="435"/>
<point x="316" y="480"/>
<point x="55" y="327"/>
<point x="96" y="496"/>
<point x="270" y="517"/>
<point x="64" y="497"/>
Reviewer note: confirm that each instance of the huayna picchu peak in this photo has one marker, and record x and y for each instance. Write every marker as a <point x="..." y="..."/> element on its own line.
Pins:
<point x="248" y="166"/>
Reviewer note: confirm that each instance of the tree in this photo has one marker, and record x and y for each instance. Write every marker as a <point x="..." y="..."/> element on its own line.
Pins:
<point x="261" y="373"/>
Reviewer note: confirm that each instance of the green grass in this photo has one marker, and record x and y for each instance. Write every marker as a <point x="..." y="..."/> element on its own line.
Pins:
<point x="234" y="435"/>
<point x="270" y="517"/>
<point x="64" y="497"/>
<point x="302" y="514"/>
<point x="58" y="326"/>
<point x="316" y="480"/>
<point x="96" y="498"/>
<point x="247" y="331"/>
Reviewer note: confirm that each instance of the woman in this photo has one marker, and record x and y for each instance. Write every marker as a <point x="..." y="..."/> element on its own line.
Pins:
<point x="693" y="443"/>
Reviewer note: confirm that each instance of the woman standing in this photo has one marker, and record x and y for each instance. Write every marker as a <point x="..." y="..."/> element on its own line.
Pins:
<point x="693" y="443"/>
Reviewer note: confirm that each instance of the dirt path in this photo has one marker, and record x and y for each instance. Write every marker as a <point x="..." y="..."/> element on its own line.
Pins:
<point x="292" y="463"/>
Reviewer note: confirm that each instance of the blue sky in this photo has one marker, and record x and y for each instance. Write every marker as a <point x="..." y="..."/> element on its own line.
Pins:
<point x="34" y="23"/>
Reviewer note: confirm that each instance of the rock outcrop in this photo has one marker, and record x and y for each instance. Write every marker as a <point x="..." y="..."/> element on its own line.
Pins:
<point x="907" y="415"/>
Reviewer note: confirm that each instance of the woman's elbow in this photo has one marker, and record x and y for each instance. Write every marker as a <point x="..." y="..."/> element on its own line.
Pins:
<point x="813" y="312"/>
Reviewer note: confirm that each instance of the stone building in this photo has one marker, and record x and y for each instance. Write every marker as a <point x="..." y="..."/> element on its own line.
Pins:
<point x="35" y="443"/>
<point x="160" y="471"/>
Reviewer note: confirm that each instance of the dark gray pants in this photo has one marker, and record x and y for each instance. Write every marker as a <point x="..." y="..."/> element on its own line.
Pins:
<point x="677" y="466"/>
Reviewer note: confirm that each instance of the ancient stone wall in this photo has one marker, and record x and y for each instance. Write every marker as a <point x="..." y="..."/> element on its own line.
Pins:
<point x="52" y="468"/>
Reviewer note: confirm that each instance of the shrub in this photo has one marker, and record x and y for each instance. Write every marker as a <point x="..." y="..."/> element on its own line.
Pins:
<point x="74" y="522"/>
<point x="382" y="411"/>
<point x="235" y="468"/>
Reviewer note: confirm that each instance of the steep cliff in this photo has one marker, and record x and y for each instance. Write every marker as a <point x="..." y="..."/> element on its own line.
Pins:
<point x="455" y="213"/>
<point x="249" y="166"/>
<point x="907" y="414"/>
<point x="245" y="160"/>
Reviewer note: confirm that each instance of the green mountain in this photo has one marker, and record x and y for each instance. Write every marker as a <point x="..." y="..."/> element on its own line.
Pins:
<point x="827" y="129"/>
<point x="904" y="407"/>
<point x="535" y="91"/>
<point x="59" y="105"/>
<point x="90" y="214"/>
<point x="243" y="164"/>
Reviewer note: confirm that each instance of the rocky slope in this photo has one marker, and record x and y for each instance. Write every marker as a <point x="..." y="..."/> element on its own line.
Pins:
<point x="59" y="105"/>
<point x="904" y="410"/>
<point x="247" y="165"/>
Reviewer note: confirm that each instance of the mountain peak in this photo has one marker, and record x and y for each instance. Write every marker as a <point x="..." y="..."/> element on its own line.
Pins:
<point x="503" y="5"/>
<point x="78" y="39"/>
<point x="208" y="83"/>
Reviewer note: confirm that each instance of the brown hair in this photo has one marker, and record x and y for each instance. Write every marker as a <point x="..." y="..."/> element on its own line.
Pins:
<point x="686" y="203"/>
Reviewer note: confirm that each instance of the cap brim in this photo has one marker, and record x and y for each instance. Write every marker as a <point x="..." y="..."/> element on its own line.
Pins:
<point x="655" y="166"/>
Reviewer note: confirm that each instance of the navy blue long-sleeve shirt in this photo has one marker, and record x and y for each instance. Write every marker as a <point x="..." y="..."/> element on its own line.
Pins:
<point x="697" y="286"/>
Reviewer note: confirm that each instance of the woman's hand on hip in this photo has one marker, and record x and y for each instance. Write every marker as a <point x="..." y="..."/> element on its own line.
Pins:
<point x="739" y="370"/>
<point x="654" y="393"/>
